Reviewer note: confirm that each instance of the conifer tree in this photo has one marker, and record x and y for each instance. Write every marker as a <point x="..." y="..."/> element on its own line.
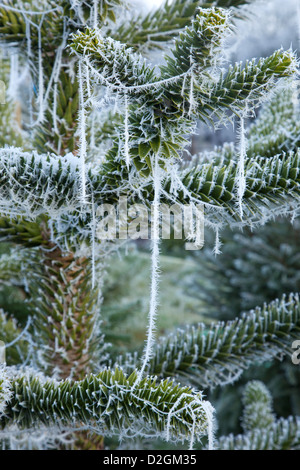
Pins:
<point x="103" y="124"/>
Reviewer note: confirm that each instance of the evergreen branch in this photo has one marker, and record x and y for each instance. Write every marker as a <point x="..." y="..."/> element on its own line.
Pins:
<point x="12" y="24"/>
<point x="5" y="389"/>
<point x="258" y="410"/>
<point x="119" y="66"/>
<point x="66" y="312"/>
<point x="199" y="45"/>
<point x="187" y="86"/>
<point x="243" y="87"/>
<point x="162" y="25"/>
<point x="185" y="89"/>
<point x="193" y="69"/>
<point x="261" y="430"/>
<point x="215" y="355"/>
<point x="21" y="231"/>
<point x="50" y="184"/>
<point x="270" y="183"/>
<point x="283" y="435"/>
<point x="256" y="266"/>
<point x="109" y="402"/>
<point x="277" y="128"/>
<point x="18" y="231"/>
<point x="34" y="180"/>
<point x="275" y="131"/>
<point x="156" y="28"/>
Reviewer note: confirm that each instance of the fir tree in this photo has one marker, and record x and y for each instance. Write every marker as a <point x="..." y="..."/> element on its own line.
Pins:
<point x="104" y="124"/>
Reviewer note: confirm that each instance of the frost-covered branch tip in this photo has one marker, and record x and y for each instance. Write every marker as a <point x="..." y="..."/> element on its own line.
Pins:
<point x="218" y="354"/>
<point x="108" y="402"/>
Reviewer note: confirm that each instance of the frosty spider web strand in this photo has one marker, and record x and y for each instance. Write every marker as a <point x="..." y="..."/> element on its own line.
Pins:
<point x="28" y="36"/>
<point x="134" y="88"/>
<point x="40" y="98"/>
<point x="13" y="76"/>
<point x="22" y="333"/>
<point x="55" y="75"/>
<point x="209" y="410"/>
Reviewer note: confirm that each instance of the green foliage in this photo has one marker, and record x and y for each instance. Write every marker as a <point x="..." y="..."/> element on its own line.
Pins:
<point x="254" y="267"/>
<point x="257" y="403"/>
<point x="240" y="82"/>
<point x="277" y="128"/>
<point x="109" y="401"/>
<point x="272" y="184"/>
<point x="183" y="90"/>
<point x="198" y="45"/>
<point x="261" y="430"/>
<point x="268" y="182"/>
<point x="106" y="10"/>
<point x="217" y="354"/>
<point x="166" y="22"/>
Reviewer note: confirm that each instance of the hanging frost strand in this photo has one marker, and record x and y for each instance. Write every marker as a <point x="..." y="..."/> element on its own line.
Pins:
<point x="13" y="75"/>
<point x="218" y="244"/>
<point x="55" y="77"/>
<point x="154" y="269"/>
<point x="95" y="14"/>
<point x="209" y="410"/>
<point x="126" y="134"/>
<point x="82" y="133"/>
<point x="93" y="244"/>
<point x="296" y="82"/>
<point x="298" y="22"/>
<point x="41" y="74"/>
<point x="241" y="181"/>
<point x="28" y="37"/>
<point x="192" y="101"/>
